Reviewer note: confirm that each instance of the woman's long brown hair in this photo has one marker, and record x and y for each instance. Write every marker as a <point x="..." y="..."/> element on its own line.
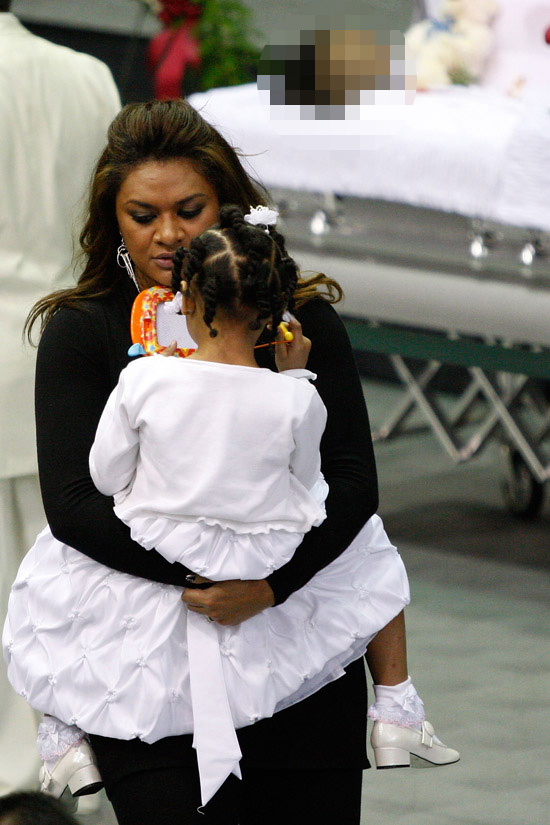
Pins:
<point x="157" y="130"/>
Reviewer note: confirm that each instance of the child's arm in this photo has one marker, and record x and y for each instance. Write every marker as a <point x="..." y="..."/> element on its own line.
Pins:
<point x="305" y="461"/>
<point x="75" y="372"/>
<point x="114" y="453"/>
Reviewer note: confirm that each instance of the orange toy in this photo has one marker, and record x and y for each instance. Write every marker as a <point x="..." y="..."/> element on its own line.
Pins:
<point x="144" y="322"/>
<point x="144" y="326"/>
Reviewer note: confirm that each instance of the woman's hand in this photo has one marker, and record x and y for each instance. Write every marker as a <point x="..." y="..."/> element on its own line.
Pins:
<point x="292" y="355"/>
<point x="230" y="602"/>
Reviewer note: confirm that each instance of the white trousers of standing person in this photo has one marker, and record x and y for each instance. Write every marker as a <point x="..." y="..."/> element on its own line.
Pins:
<point x="21" y="517"/>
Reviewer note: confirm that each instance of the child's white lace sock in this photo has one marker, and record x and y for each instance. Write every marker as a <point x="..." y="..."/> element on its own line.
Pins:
<point x="398" y="705"/>
<point x="55" y="738"/>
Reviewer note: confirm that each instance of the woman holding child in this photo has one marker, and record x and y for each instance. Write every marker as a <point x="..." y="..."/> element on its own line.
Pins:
<point x="159" y="184"/>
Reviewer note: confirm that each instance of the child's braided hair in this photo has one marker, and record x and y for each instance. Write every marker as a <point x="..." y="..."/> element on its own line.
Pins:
<point x="234" y="265"/>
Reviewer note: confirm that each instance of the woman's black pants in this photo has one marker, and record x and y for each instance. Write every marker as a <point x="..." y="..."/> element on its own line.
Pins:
<point x="171" y="796"/>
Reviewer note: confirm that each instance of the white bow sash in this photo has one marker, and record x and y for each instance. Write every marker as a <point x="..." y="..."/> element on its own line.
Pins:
<point x="215" y="740"/>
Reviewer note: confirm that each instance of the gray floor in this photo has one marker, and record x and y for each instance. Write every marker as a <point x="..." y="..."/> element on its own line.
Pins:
<point x="478" y="639"/>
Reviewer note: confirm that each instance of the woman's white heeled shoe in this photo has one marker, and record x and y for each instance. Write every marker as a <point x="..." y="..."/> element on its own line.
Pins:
<point x="395" y="746"/>
<point x="76" y="769"/>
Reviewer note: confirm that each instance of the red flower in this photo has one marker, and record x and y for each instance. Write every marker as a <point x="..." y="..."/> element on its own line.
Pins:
<point x="168" y="55"/>
<point x="173" y="10"/>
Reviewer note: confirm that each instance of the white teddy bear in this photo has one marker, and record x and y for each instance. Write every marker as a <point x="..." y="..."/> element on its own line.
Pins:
<point x="454" y="47"/>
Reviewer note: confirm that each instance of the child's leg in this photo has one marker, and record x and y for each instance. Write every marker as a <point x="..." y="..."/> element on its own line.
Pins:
<point x="387" y="653"/>
<point x="68" y="759"/>
<point x="400" y="726"/>
<point x="396" y="699"/>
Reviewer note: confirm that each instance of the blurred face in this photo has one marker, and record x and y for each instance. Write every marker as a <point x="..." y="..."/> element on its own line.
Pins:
<point x="162" y="205"/>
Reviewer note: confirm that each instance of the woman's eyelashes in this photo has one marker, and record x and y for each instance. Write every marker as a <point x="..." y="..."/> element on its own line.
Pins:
<point x="188" y="215"/>
<point x="142" y="218"/>
<point x="185" y="214"/>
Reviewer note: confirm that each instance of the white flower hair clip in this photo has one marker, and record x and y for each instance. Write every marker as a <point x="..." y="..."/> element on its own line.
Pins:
<point x="262" y="216"/>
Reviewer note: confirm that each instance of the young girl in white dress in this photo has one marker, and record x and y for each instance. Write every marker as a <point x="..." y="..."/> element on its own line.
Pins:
<point x="214" y="462"/>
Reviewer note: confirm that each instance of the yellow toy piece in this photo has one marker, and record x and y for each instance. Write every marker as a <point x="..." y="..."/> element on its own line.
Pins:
<point x="287" y="334"/>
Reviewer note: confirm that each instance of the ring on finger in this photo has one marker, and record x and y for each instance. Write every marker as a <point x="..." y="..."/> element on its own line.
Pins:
<point x="209" y="619"/>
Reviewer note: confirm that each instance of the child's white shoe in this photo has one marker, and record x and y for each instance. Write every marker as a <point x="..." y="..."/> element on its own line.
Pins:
<point x="401" y="735"/>
<point x="76" y="769"/>
<point x="394" y="745"/>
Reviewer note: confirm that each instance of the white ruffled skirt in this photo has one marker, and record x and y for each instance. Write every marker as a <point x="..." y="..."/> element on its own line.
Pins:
<point x="122" y="657"/>
<point x="219" y="550"/>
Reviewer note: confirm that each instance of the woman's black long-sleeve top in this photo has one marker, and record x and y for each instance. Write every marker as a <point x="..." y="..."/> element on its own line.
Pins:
<point x="80" y="356"/>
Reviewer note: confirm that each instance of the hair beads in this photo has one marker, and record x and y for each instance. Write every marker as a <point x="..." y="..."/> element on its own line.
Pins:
<point x="236" y="265"/>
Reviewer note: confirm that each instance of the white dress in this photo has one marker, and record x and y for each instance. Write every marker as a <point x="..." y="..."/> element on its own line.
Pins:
<point x="121" y="656"/>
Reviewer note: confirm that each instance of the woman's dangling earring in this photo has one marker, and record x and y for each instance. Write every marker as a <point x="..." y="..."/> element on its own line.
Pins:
<point x="125" y="262"/>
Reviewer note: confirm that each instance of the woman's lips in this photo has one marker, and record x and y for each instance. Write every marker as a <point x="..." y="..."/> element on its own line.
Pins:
<point x="164" y="261"/>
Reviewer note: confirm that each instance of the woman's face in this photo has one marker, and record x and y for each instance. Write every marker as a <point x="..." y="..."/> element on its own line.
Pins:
<point x="162" y="205"/>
